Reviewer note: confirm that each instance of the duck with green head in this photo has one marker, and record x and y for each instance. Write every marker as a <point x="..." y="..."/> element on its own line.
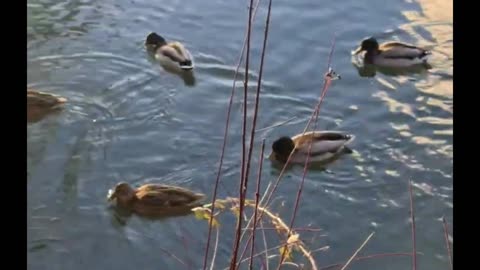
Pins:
<point x="392" y="54"/>
<point x="325" y="146"/>
<point x="173" y="54"/>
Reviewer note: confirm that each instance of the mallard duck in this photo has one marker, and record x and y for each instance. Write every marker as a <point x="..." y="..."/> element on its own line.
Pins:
<point x="325" y="146"/>
<point x="171" y="53"/>
<point x="155" y="199"/>
<point x="392" y="54"/>
<point x="45" y="100"/>
<point x="40" y="104"/>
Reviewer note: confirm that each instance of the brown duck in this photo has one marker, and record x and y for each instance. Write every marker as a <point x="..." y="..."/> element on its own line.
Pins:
<point x="40" y="104"/>
<point x="155" y="199"/>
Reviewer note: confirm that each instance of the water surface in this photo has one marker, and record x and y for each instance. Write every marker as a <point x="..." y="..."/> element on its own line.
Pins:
<point x="129" y="120"/>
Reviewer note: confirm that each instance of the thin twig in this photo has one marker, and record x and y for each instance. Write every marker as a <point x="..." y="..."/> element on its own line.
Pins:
<point x="243" y="174"/>
<point x="257" y="196"/>
<point x="264" y="243"/>
<point x="215" y="248"/>
<point x="447" y="242"/>
<point x="277" y="125"/>
<point x="307" y="161"/>
<point x="225" y="135"/>
<point x="298" y="229"/>
<point x="268" y="195"/>
<point x="358" y="250"/>
<point x="412" y="217"/>
<point x="173" y="256"/>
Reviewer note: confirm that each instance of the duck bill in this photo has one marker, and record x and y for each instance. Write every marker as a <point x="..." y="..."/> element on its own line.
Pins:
<point x="357" y="51"/>
<point x="271" y="157"/>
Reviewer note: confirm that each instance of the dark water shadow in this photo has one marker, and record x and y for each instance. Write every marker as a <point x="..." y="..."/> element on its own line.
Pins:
<point x="120" y="216"/>
<point x="370" y="71"/>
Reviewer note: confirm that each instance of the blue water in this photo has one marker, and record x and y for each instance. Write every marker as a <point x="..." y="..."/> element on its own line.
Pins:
<point x="129" y="120"/>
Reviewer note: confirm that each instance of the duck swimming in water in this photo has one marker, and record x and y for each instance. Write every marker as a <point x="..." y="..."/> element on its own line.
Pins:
<point x="155" y="199"/>
<point x="325" y="146"/>
<point x="173" y="54"/>
<point x="392" y="54"/>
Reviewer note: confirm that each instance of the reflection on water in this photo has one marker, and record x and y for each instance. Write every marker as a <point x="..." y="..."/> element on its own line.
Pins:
<point x="128" y="118"/>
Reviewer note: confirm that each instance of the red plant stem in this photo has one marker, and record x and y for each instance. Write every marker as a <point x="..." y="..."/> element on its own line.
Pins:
<point x="327" y="81"/>
<point x="225" y="135"/>
<point x="447" y="242"/>
<point x="243" y="179"/>
<point x="412" y="216"/>
<point x="367" y="257"/>
<point x="307" y="161"/>
<point x="257" y="197"/>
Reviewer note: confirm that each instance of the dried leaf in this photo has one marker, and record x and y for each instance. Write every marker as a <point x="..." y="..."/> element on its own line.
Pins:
<point x="294" y="238"/>
<point x="206" y="214"/>
<point x="287" y="255"/>
<point x="236" y="211"/>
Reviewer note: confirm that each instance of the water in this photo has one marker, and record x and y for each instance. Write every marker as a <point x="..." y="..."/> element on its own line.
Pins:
<point x="129" y="120"/>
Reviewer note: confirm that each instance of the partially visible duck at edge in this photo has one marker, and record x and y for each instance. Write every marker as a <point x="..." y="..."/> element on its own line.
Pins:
<point x="40" y="104"/>
<point x="392" y="54"/>
<point x="155" y="199"/>
<point x="169" y="53"/>
<point x="325" y="145"/>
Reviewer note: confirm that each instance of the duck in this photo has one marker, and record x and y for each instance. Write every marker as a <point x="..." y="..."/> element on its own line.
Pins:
<point x="44" y="100"/>
<point x="392" y="54"/>
<point x="155" y="199"/>
<point x="326" y="145"/>
<point x="169" y="53"/>
<point x="40" y="104"/>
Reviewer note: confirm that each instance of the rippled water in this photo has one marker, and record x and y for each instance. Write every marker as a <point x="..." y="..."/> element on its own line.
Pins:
<point x="129" y="120"/>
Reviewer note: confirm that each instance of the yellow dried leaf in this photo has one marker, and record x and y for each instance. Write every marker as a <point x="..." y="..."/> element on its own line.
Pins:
<point x="219" y="204"/>
<point x="287" y="255"/>
<point x="293" y="238"/>
<point x="215" y="223"/>
<point x="236" y="211"/>
<point x="199" y="212"/>
<point x="205" y="213"/>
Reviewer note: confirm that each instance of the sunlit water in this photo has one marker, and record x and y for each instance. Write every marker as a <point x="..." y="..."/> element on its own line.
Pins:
<point x="129" y="120"/>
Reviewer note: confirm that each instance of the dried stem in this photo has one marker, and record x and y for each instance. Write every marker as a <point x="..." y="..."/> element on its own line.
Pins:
<point x="358" y="250"/>
<point x="257" y="197"/>
<point x="412" y="217"/>
<point x="264" y="242"/>
<point x="447" y="242"/>
<point x="225" y="135"/>
<point x="215" y="248"/>
<point x="173" y="256"/>
<point x="307" y="161"/>
<point x="269" y="193"/>
<point x="244" y="175"/>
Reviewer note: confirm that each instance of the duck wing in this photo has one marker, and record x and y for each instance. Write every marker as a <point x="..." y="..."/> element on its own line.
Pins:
<point x="401" y="50"/>
<point x="323" y="142"/>
<point x="172" y="53"/>
<point x="163" y="195"/>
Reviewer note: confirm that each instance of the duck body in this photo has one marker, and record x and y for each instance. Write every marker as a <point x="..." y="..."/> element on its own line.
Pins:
<point x="155" y="199"/>
<point x="325" y="145"/>
<point x="40" y="104"/>
<point x="392" y="54"/>
<point x="174" y="55"/>
<point x="44" y="100"/>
